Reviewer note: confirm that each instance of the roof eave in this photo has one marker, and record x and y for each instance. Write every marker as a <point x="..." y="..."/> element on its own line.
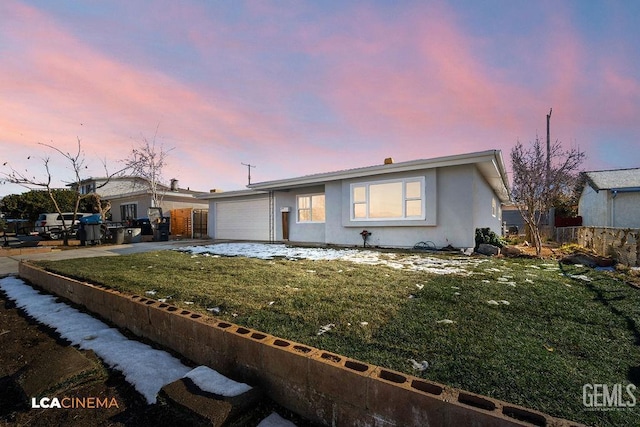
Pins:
<point x="227" y="194"/>
<point x="493" y="156"/>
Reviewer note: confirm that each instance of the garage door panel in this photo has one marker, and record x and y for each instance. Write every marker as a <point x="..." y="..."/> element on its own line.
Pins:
<point x="242" y="220"/>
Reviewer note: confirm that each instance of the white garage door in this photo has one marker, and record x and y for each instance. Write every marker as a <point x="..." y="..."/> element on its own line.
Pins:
<point x="242" y="220"/>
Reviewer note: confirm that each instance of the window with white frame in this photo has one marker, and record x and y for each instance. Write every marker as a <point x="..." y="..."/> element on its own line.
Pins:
<point x="310" y="208"/>
<point x="388" y="200"/>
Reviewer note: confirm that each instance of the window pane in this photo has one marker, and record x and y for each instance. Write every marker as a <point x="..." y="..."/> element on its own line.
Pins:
<point x="318" y="201"/>
<point x="304" y="202"/>
<point x="413" y="190"/>
<point x="317" y="214"/>
<point x="304" y="215"/>
<point x="385" y="200"/>
<point x="317" y="204"/>
<point x="414" y="208"/>
<point x="359" y="210"/>
<point x="359" y="194"/>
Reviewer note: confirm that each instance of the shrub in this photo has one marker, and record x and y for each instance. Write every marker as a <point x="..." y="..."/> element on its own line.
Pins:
<point x="485" y="235"/>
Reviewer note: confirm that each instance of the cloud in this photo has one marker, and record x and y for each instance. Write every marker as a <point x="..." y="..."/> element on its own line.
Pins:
<point x="299" y="88"/>
<point x="62" y="88"/>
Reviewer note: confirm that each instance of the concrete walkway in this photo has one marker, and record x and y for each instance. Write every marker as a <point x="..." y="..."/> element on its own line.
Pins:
<point x="9" y="264"/>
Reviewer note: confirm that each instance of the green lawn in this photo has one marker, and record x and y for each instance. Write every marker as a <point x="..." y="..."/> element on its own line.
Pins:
<point x="556" y="333"/>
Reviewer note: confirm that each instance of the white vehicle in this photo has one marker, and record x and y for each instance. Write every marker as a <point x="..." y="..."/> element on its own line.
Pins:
<point x="49" y="225"/>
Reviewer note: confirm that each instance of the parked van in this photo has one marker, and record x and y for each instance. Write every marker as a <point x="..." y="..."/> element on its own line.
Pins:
<point x="49" y="225"/>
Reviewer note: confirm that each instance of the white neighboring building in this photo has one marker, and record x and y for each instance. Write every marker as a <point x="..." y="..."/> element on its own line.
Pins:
<point x="130" y="196"/>
<point x="611" y="199"/>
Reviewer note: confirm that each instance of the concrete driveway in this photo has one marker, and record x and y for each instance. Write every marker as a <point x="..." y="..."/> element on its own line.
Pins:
<point x="9" y="264"/>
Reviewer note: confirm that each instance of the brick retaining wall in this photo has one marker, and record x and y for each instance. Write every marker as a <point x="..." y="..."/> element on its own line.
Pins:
<point x="326" y="388"/>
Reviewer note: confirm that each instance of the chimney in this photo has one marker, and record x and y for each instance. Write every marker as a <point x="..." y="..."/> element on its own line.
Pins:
<point x="388" y="161"/>
<point x="174" y="184"/>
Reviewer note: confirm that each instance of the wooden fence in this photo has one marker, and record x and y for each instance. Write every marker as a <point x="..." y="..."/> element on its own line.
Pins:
<point x="189" y="223"/>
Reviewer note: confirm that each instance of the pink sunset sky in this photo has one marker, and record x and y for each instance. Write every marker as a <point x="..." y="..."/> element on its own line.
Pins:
<point x="299" y="87"/>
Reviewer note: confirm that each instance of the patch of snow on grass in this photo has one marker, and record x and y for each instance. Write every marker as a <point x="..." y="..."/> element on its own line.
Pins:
<point x="418" y="366"/>
<point x="264" y="251"/>
<point x="326" y="328"/>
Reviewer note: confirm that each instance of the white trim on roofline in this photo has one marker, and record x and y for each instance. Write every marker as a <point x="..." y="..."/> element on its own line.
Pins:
<point x="490" y="164"/>
<point x="227" y="194"/>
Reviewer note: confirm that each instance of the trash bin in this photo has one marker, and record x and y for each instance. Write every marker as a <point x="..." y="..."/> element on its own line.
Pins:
<point x="162" y="232"/>
<point x="90" y="229"/>
<point x="93" y="232"/>
<point x="115" y="235"/>
<point x="118" y="235"/>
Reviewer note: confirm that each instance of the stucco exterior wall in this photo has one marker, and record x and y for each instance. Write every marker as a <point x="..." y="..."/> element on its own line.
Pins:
<point x="625" y="209"/>
<point x="455" y="207"/>
<point x="484" y="201"/>
<point x="602" y="209"/>
<point x="299" y="231"/>
<point x="593" y="208"/>
<point x="448" y="216"/>
<point x="142" y="206"/>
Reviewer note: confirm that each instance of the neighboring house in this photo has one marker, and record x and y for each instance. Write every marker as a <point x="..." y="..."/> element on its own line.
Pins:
<point x="441" y="200"/>
<point x="511" y="217"/>
<point x="611" y="199"/>
<point x="130" y="196"/>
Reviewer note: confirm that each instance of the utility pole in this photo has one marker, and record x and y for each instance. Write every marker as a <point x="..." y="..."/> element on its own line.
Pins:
<point x="248" y="171"/>
<point x="548" y="148"/>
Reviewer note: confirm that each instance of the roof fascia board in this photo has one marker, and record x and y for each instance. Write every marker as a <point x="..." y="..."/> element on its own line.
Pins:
<point x="228" y="194"/>
<point x="377" y="170"/>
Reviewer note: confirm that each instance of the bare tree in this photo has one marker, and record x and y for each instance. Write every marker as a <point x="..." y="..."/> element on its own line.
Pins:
<point x="3" y="228"/>
<point x="147" y="162"/>
<point x="532" y="170"/>
<point x="78" y="167"/>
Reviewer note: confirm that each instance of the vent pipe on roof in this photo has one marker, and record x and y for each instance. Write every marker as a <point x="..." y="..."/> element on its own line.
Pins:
<point x="174" y="184"/>
<point x="388" y="161"/>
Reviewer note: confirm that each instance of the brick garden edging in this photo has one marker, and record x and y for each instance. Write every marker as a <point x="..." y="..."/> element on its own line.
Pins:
<point x="326" y="388"/>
